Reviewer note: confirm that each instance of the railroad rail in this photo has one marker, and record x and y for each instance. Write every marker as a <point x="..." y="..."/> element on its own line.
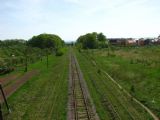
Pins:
<point x="80" y="104"/>
<point x="121" y="88"/>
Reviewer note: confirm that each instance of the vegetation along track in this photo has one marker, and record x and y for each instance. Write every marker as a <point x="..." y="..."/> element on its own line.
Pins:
<point x="110" y="101"/>
<point x="125" y="92"/>
<point x="80" y="105"/>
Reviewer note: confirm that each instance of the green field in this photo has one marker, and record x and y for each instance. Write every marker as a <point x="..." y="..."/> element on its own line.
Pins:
<point x="45" y="95"/>
<point x="135" y="68"/>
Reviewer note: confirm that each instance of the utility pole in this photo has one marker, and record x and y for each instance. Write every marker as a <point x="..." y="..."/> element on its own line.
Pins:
<point x="108" y="48"/>
<point x="5" y="100"/>
<point x="47" y="60"/>
<point x="47" y="57"/>
<point x="26" y="58"/>
<point x="1" y="116"/>
<point x="26" y="64"/>
<point x="4" y="97"/>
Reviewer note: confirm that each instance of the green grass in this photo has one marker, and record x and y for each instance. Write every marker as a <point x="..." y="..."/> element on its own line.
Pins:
<point x="101" y="89"/>
<point x="45" y="95"/>
<point x="138" y="67"/>
<point x="13" y="56"/>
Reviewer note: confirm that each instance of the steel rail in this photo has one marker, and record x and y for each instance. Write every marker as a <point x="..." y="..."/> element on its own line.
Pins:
<point x="75" y="74"/>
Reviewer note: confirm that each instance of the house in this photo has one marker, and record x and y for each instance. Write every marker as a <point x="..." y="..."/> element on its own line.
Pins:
<point x="117" y="41"/>
<point x="158" y="40"/>
<point x="159" y="37"/>
<point x="140" y="42"/>
<point x="130" y="42"/>
<point x="148" y="41"/>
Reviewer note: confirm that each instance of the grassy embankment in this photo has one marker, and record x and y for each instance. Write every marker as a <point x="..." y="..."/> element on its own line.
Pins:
<point x="45" y="95"/>
<point x="105" y="93"/>
<point x="136" y="69"/>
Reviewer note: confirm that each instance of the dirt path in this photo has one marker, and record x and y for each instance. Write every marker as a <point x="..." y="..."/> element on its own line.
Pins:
<point x="7" y="79"/>
<point x="8" y="90"/>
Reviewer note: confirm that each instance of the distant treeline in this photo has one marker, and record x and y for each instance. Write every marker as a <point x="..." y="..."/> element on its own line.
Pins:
<point x="19" y="52"/>
<point x="40" y="41"/>
<point x="11" y="42"/>
<point x="98" y="40"/>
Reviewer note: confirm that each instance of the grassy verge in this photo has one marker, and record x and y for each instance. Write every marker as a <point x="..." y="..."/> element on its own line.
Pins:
<point x="109" y="100"/>
<point x="136" y="69"/>
<point x="45" y="95"/>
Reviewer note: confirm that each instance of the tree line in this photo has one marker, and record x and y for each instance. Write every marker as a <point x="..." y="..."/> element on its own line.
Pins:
<point x="22" y="52"/>
<point x="19" y="52"/>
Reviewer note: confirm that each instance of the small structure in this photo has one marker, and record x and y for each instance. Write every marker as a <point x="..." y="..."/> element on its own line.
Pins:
<point x="158" y="40"/>
<point x="148" y="41"/>
<point x="117" y="41"/>
<point x="159" y="37"/>
<point x="140" y="42"/>
<point x="130" y="42"/>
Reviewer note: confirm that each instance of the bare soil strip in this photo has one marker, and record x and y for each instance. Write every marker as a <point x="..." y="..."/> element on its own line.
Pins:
<point x="80" y="104"/>
<point x="7" y="79"/>
<point x="8" y="90"/>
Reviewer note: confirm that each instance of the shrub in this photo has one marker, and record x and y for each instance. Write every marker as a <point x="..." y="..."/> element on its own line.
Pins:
<point x="59" y="53"/>
<point x="99" y="71"/>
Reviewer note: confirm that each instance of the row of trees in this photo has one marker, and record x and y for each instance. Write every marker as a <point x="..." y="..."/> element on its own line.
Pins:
<point x="17" y="52"/>
<point x="41" y="41"/>
<point x="92" y="41"/>
<point x="11" y="42"/>
<point x="14" y="53"/>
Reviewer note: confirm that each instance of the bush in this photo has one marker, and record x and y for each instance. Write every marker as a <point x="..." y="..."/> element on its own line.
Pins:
<point x="59" y="53"/>
<point x="5" y="70"/>
<point x="99" y="71"/>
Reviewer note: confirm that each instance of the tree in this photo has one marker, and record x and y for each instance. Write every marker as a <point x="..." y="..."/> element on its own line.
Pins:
<point x="46" y="41"/>
<point x="101" y="37"/>
<point x="102" y="40"/>
<point x="92" y="41"/>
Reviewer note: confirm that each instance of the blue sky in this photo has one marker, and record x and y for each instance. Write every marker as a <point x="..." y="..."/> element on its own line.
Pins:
<point x="71" y="18"/>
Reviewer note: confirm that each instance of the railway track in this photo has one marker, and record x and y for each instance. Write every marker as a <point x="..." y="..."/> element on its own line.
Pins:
<point x="111" y="108"/>
<point x="130" y="110"/>
<point x="80" y="107"/>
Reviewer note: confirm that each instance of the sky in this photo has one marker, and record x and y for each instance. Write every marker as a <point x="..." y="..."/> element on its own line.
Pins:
<point x="22" y="19"/>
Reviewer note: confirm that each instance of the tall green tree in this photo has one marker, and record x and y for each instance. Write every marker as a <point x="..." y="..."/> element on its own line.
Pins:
<point x="46" y="41"/>
<point x="101" y="37"/>
<point x="92" y="41"/>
